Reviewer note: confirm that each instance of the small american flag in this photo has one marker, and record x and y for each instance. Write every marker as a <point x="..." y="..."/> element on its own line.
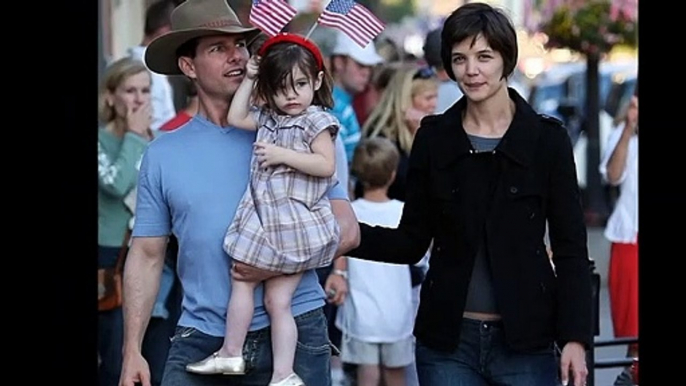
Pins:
<point x="353" y="19"/>
<point x="271" y="15"/>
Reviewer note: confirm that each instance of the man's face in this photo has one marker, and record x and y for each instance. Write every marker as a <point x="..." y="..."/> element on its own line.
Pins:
<point x="352" y="76"/>
<point x="219" y="64"/>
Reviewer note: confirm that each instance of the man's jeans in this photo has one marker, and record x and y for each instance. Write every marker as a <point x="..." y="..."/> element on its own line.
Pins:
<point x="482" y="359"/>
<point x="312" y="357"/>
<point x="110" y="329"/>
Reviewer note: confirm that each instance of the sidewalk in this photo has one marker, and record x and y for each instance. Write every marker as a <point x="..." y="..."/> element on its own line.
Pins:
<point x="599" y="251"/>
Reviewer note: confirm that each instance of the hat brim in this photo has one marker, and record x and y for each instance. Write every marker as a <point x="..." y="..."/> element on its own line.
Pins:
<point x="160" y="55"/>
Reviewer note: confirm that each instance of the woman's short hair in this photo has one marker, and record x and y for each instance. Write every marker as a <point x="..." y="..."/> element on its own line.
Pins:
<point x="115" y="74"/>
<point x="474" y="19"/>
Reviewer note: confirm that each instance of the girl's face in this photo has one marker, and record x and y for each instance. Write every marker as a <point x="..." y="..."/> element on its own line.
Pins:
<point x="478" y="68"/>
<point x="131" y="94"/>
<point x="425" y="100"/>
<point x="295" y="98"/>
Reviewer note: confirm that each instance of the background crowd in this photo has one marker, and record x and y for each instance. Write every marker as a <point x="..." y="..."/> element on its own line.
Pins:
<point x="381" y="93"/>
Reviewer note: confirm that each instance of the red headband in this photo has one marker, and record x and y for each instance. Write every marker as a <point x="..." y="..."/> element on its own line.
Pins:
<point x="296" y="39"/>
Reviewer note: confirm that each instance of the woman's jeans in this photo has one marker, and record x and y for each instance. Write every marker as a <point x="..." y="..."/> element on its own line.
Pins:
<point x="312" y="356"/>
<point x="110" y="329"/>
<point x="482" y="359"/>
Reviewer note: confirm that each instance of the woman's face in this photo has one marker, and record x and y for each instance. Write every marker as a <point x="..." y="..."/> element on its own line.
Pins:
<point x="478" y="68"/>
<point x="131" y="94"/>
<point x="425" y="100"/>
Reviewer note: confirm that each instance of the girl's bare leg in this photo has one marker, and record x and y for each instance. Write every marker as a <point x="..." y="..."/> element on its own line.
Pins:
<point x="238" y="318"/>
<point x="277" y="301"/>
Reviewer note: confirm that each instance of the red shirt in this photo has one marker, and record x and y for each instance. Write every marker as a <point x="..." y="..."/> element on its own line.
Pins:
<point x="176" y="122"/>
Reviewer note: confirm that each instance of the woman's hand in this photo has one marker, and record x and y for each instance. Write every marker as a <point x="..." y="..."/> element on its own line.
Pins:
<point x="253" y="67"/>
<point x="138" y="121"/>
<point x="631" y="123"/>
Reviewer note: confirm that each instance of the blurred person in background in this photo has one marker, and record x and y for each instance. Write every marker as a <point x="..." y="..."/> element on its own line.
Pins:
<point x="448" y="91"/>
<point x="619" y="167"/>
<point x="351" y="68"/>
<point x="187" y="112"/>
<point x="124" y="133"/>
<point x="484" y="179"/>
<point x="377" y="316"/>
<point x="411" y="94"/>
<point x="157" y="23"/>
<point x="364" y="102"/>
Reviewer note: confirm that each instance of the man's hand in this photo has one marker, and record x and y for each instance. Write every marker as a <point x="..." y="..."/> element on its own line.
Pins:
<point x="336" y="288"/>
<point x="243" y="272"/>
<point x="134" y="370"/>
<point x="573" y="360"/>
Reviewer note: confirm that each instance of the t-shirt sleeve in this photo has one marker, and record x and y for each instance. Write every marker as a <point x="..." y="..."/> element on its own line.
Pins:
<point x="318" y="122"/>
<point x="153" y="218"/>
<point x="338" y="192"/>
<point x="260" y="115"/>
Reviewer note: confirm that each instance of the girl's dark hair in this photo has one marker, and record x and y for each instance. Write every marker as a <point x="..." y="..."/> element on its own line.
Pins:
<point x="472" y="19"/>
<point x="276" y="70"/>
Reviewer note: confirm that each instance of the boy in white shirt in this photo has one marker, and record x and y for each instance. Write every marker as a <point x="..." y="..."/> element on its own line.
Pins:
<point x="377" y="316"/>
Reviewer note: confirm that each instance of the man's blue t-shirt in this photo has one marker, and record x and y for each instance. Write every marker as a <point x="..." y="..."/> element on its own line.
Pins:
<point x="190" y="183"/>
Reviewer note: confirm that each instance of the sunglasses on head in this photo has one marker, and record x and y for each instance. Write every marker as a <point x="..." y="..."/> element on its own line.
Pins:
<point x="424" y="73"/>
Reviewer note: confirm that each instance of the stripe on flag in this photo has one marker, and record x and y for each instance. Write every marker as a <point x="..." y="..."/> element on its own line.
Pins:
<point x="271" y="16"/>
<point x="353" y="19"/>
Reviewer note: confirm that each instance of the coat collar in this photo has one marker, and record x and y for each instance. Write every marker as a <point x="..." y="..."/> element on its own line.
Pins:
<point x="519" y="140"/>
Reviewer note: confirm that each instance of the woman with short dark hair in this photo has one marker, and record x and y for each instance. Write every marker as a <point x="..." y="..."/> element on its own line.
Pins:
<point x="484" y="179"/>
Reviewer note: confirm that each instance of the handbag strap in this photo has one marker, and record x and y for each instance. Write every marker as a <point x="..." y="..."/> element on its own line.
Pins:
<point x="123" y="250"/>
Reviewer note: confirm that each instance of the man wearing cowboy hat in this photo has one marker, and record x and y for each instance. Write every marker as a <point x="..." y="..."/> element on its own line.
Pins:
<point x="191" y="181"/>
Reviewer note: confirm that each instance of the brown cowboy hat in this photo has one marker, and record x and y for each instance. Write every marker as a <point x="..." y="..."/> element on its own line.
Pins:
<point x="193" y="19"/>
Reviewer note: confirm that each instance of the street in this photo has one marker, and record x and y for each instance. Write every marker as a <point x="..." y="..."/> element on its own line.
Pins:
<point x="599" y="250"/>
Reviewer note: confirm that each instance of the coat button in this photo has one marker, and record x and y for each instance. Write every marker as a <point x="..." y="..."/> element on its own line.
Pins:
<point x="513" y="189"/>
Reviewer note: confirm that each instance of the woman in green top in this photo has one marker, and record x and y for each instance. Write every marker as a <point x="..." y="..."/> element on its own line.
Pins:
<point x="125" y="116"/>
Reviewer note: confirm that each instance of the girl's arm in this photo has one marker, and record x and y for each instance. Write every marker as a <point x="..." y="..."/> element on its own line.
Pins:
<point x="239" y="112"/>
<point x="320" y="163"/>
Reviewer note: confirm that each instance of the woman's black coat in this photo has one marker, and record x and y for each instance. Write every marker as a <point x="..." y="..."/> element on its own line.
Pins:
<point x="535" y="182"/>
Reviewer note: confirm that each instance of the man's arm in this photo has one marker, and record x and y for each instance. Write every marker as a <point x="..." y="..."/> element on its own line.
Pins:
<point x="142" y="273"/>
<point x="347" y="222"/>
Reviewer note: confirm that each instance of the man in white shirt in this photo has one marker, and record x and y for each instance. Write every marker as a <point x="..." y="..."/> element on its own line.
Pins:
<point x="157" y="22"/>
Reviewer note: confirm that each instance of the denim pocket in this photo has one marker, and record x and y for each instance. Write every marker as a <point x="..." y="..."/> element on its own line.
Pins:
<point x="312" y="333"/>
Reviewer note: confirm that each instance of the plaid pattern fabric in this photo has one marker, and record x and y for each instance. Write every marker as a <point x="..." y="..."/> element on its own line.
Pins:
<point x="284" y="221"/>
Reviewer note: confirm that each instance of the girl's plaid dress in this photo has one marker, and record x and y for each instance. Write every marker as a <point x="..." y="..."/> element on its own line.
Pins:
<point x="284" y="221"/>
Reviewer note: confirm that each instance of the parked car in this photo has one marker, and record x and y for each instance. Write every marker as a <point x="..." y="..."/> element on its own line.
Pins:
<point x="561" y="91"/>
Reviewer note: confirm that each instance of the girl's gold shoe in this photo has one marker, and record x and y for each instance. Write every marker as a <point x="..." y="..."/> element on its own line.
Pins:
<point x="291" y="380"/>
<point x="214" y="364"/>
